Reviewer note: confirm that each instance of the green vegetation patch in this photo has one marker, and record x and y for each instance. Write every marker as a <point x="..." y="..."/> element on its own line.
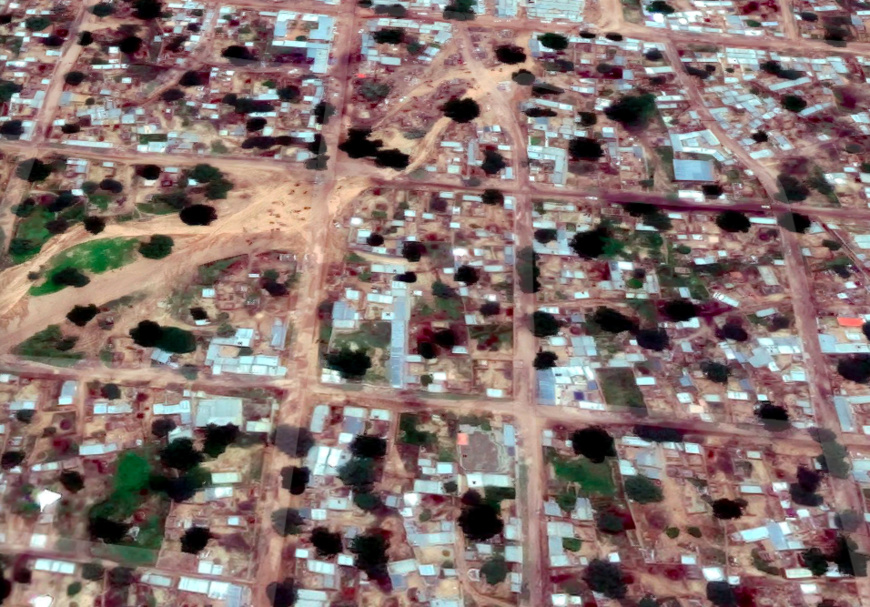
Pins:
<point x="96" y="256"/>
<point x="51" y="347"/>
<point x="593" y="479"/>
<point x="493" y="337"/>
<point x="620" y="388"/>
<point x="31" y="233"/>
<point x="371" y="335"/>
<point x="209" y="273"/>
<point x="410" y="435"/>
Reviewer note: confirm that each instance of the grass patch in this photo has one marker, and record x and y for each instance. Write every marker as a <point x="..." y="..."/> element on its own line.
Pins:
<point x="371" y="335"/>
<point x="32" y="229"/>
<point x="410" y="435"/>
<point x="156" y="208"/>
<point x="666" y="154"/>
<point x="49" y="346"/>
<point x="95" y="256"/>
<point x="592" y="479"/>
<point x="620" y="388"/>
<point x="210" y="272"/>
<point x="493" y="337"/>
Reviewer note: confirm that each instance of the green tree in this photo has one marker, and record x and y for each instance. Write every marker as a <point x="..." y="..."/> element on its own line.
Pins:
<point x="157" y="248"/>
<point x="556" y="42"/>
<point x="495" y="570"/>
<point x="103" y="9"/>
<point x="643" y="490"/>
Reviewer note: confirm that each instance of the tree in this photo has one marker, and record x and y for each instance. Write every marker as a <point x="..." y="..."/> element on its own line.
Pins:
<point x="773" y="417"/>
<point x="198" y="215"/>
<point x="794" y="222"/>
<point x="371" y="555"/>
<point x="181" y="455"/>
<point x="733" y="331"/>
<point x="643" y="490"/>
<point x="653" y="339"/>
<point x="147" y="333"/>
<point x="389" y="35"/>
<point x="466" y="274"/>
<point x="510" y="54"/>
<point x="287" y="521"/>
<point x="523" y="77"/>
<point x="605" y="578"/>
<point x="427" y="350"/>
<point x="158" y="247"/>
<point x="494" y="570"/>
<point x="409" y="277"/>
<point x="545" y="235"/>
<point x="847" y="560"/>
<point x="721" y="594"/>
<point x="556" y="42"/>
<point x="493" y="162"/>
<point x="103" y="9"/>
<point x="86" y="39"/>
<point x="364" y="445"/>
<point x="37" y="23"/>
<point x="323" y="111"/>
<point x="72" y="481"/>
<point x="93" y="571"/>
<point x="633" y="111"/>
<point x="479" y="520"/>
<point x="490" y="308"/>
<point x="545" y="360"/>
<point x="191" y="78"/>
<point x="680" y="310"/>
<point x="413" y="250"/>
<point x="111" y="532"/>
<point x="326" y="542"/>
<point x="527" y="270"/>
<point x="293" y="441"/>
<point x="793" y="103"/>
<point x="585" y="148"/>
<point x="25" y="416"/>
<point x="726" y="509"/>
<point x="492" y="197"/>
<point x="162" y="426"/>
<point x="33" y="170"/>
<point x="350" y="364"/>
<point x="374" y="91"/>
<point x="591" y="243"/>
<point x="659" y="434"/>
<point x="593" y="443"/>
<point x="733" y="221"/>
<point x="12" y="129"/>
<point x="612" y="321"/>
<point x="58" y="225"/>
<point x="195" y="539"/>
<point x="218" y="438"/>
<point x="359" y="473"/>
<point x="815" y="560"/>
<point x="855" y="368"/>
<point x="544" y="324"/>
<point x="147" y="9"/>
<point x="82" y="315"/>
<point x="70" y="277"/>
<point x="289" y="93"/>
<point x="461" y="110"/>
<point x="445" y="338"/>
<point x="282" y="594"/>
<point x="95" y="225"/>
<point x="715" y="372"/>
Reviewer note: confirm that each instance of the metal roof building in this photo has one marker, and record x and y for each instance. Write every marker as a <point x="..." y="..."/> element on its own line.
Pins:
<point x="693" y="170"/>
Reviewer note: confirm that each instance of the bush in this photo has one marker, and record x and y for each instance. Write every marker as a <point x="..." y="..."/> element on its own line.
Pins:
<point x="594" y="443"/>
<point x="605" y="578"/>
<point x="157" y="248"/>
<point x="351" y="364"/>
<point x="198" y="215"/>
<point x="461" y="110"/>
<point x="82" y="315"/>
<point x="544" y="324"/>
<point x="556" y="42"/>
<point x="643" y="490"/>
<point x="494" y="570"/>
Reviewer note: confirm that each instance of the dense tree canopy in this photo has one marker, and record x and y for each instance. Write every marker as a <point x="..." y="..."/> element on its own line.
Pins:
<point x="479" y="520"/>
<point x="158" y="247"/>
<point x="510" y="54"/>
<point x="643" y="490"/>
<point x="605" y="578"/>
<point x="293" y="441"/>
<point x="351" y="364"/>
<point x="218" y="438"/>
<point x="544" y="324"/>
<point x="461" y="110"/>
<point x="82" y="315"/>
<point x="794" y="222"/>
<point x="33" y="170"/>
<point x="716" y="372"/>
<point x="612" y="321"/>
<point x="679" y="310"/>
<point x="585" y="148"/>
<point x="594" y="443"/>
<point x="545" y="360"/>
<point x="364" y="445"/>
<point x="282" y="594"/>
<point x="181" y="455"/>
<point x="295" y="479"/>
<point x="195" y="539"/>
<point x="727" y="509"/>
<point x="653" y="339"/>
<point x="633" y="111"/>
<point x="326" y="542"/>
<point x="659" y="434"/>
<point x="773" y="417"/>
<point x="733" y="221"/>
<point x="556" y="42"/>
<point x="287" y="521"/>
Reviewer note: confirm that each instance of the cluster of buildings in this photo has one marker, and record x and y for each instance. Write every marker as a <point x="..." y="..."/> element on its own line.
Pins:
<point x="732" y="277"/>
<point x="688" y="541"/>
<point x="457" y="229"/>
<point x="715" y="17"/>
